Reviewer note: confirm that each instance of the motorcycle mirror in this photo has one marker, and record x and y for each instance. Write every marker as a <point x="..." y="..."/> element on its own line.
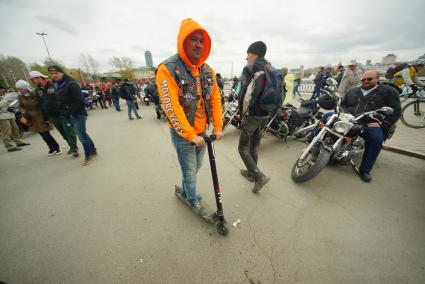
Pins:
<point x="386" y="110"/>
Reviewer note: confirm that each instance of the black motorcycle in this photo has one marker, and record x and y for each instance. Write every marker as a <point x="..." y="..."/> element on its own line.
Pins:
<point x="288" y="121"/>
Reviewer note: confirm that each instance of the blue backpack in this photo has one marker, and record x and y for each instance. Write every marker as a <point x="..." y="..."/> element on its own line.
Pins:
<point x="273" y="95"/>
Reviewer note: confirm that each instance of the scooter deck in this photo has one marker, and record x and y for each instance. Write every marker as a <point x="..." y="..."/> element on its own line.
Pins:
<point x="208" y="216"/>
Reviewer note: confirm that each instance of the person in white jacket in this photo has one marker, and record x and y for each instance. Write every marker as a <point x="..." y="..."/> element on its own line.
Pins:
<point x="351" y="78"/>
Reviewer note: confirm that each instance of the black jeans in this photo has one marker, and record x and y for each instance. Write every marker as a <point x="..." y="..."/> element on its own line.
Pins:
<point x="250" y="140"/>
<point x="50" y="141"/>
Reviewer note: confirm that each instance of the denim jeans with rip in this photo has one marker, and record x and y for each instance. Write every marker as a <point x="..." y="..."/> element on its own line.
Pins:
<point x="190" y="160"/>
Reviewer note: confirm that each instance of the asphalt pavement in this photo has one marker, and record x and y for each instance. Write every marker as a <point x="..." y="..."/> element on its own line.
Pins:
<point x="118" y="221"/>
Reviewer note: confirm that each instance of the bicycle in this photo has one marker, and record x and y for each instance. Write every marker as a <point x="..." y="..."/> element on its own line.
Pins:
<point x="414" y="118"/>
<point x="407" y="93"/>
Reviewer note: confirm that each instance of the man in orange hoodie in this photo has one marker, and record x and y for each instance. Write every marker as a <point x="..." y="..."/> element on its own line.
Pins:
<point x="191" y="99"/>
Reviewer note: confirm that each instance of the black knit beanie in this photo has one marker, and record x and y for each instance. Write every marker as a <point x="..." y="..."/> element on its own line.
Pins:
<point x="55" y="68"/>
<point x="258" y="48"/>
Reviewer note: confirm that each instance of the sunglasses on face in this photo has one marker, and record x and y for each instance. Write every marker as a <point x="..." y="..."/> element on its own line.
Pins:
<point x="367" y="79"/>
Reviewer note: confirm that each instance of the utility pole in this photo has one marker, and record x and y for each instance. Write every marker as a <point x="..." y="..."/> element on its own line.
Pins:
<point x="12" y="74"/>
<point x="45" y="44"/>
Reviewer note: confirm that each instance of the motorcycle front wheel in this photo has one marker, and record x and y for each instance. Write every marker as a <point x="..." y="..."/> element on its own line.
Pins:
<point x="314" y="162"/>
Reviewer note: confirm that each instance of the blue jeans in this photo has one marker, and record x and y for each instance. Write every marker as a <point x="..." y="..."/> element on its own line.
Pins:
<point x="297" y="90"/>
<point x="79" y="125"/>
<point x="316" y="94"/>
<point x="131" y="106"/>
<point x="116" y="102"/>
<point x="373" y="137"/>
<point x="190" y="160"/>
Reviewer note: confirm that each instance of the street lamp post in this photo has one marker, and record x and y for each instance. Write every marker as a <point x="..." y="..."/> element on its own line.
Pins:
<point x="45" y="44"/>
<point x="13" y="76"/>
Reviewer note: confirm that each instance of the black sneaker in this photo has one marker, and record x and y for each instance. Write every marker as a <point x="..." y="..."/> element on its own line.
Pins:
<point x="23" y="144"/>
<point x="14" y="149"/>
<point x="366" y="177"/>
<point x="58" y="151"/>
<point x="260" y="181"/>
<point x="247" y="175"/>
<point x="131" y="118"/>
<point x="51" y="152"/>
<point x="74" y="152"/>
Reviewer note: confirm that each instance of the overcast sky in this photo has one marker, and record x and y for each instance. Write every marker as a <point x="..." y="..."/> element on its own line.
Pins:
<point x="304" y="32"/>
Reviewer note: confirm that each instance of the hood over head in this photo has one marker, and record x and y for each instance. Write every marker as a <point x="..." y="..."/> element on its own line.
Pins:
<point x="187" y="27"/>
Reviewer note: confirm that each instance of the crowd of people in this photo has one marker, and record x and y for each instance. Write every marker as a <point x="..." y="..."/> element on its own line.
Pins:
<point x="189" y="93"/>
<point x="60" y="102"/>
<point x="56" y="102"/>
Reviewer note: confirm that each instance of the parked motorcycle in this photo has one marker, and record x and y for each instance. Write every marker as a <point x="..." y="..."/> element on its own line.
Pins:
<point x="88" y="99"/>
<point x="338" y="141"/>
<point x="145" y="98"/>
<point x="231" y="114"/>
<point x="288" y="121"/>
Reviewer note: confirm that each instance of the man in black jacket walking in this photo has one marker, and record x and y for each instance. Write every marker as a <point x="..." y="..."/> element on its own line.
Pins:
<point x="254" y="119"/>
<point x="151" y="90"/>
<point x="51" y="108"/>
<point x="115" y="94"/>
<point x="369" y="97"/>
<point x="69" y="95"/>
<point x="127" y="95"/>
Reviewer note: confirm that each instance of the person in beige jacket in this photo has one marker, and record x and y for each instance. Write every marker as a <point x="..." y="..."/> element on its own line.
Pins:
<point x="9" y="129"/>
<point x="350" y="79"/>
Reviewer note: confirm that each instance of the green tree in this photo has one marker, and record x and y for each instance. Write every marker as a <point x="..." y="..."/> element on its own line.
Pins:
<point x="48" y="62"/>
<point x="12" y="69"/>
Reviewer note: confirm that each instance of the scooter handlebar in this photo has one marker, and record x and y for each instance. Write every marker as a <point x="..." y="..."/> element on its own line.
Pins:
<point x="207" y="139"/>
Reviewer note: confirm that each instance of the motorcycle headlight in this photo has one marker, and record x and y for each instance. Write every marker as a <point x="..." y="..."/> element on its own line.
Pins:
<point x="233" y="108"/>
<point x="341" y="127"/>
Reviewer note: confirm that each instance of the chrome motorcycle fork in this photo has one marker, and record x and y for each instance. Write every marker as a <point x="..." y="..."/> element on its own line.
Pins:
<point x="325" y="128"/>
<point x="307" y="128"/>
<point x="317" y="138"/>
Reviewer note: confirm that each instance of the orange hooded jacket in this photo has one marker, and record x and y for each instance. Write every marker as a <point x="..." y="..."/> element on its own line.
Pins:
<point x="176" y="114"/>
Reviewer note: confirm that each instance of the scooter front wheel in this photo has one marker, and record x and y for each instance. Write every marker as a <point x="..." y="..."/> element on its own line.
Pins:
<point x="222" y="228"/>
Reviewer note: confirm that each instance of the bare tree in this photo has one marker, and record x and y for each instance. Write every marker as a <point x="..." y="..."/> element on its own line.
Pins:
<point x="85" y="63"/>
<point x="122" y="63"/>
<point x="127" y="62"/>
<point x="93" y="64"/>
<point x="89" y="64"/>
<point x="116" y="62"/>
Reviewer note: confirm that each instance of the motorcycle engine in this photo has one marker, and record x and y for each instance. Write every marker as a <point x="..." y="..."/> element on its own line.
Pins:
<point x="282" y="129"/>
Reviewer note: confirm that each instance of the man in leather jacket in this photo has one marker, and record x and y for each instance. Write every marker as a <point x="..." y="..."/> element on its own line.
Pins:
<point x="369" y="97"/>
